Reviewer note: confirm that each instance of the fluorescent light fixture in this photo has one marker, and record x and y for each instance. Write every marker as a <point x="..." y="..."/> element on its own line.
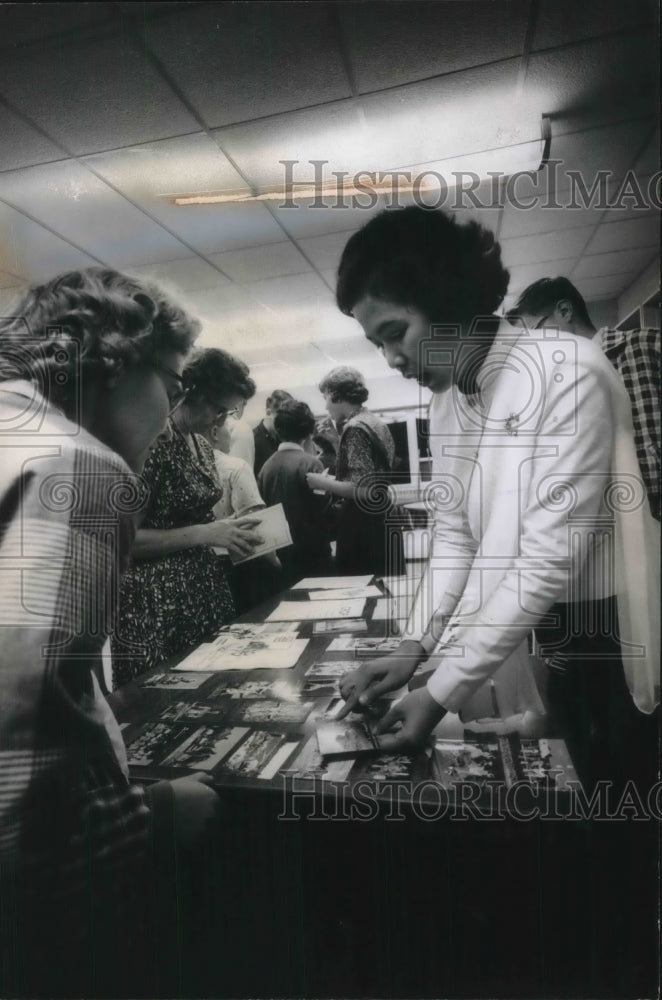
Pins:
<point x="417" y="178"/>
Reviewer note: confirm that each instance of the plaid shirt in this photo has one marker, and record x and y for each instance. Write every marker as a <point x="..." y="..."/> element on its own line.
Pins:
<point x="635" y="354"/>
<point x="73" y="831"/>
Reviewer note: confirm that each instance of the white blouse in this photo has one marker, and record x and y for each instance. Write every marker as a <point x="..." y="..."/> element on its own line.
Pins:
<point x="528" y="510"/>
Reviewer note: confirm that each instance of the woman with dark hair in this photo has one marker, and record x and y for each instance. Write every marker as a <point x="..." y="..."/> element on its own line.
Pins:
<point x="177" y="592"/>
<point x="530" y="434"/>
<point x="366" y="541"/>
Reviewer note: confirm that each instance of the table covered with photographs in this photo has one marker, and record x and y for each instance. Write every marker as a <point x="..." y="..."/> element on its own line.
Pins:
<point x="256" y="706"/>
<point x="370" y="875"/>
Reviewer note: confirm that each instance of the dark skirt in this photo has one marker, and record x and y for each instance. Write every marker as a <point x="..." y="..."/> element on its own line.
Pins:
<point x="168" y="605"/>
<point x="368" y="542"/>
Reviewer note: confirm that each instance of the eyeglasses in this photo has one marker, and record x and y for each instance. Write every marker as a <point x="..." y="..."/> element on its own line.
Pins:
<point x="177" y="397"/>
<point x="222" y="413"/>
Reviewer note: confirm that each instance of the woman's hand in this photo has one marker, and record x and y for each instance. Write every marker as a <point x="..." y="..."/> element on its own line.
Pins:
<point x="196" y="808"/>
<point x="416" y="714"/>
<point x="363" y="687"/>
<point x="319" y="481"/>
<point x="237" y="535"/>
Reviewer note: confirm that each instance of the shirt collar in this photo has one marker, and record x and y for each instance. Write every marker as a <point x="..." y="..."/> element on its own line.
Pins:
<point x="289" y="446"/>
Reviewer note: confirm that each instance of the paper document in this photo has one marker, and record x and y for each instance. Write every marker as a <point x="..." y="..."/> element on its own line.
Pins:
<point x="345" y="593"/>
<point x="331" y="582"/>
<point x="273" y="529"/>
<point x="306" y="610"/>
<point x="234" y="651"/>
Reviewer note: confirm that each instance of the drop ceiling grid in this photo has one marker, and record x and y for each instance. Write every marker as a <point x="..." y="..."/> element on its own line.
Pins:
<point x="298" y="241"/>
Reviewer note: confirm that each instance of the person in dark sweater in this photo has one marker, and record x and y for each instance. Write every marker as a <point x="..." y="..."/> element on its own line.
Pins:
<point x="283" y="480"/>
<point x="264" y="435"/>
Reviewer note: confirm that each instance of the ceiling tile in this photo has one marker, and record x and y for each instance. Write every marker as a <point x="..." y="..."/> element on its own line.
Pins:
<point x="26" y="23"/>
<point x="450" y="117"/>
<point x="612" y="149"/>
<point x="325" y="251"/>
<point x="149" y="175"/>
<point x="599" y="265"/>
<point x="9" y="280"/>
<point x="520" y="222"/>
<point x="334" y="135"/>
<point x="562" y="21"/>
<point x="625" y="235"/>
<point x="272" y="261"/>
<point x="578" y="91"/>
<point x="522" y="276"/>
<point x="246" y="60"/>
<point x="95" y="95"/>
<point x="307" y="220"/>
<point x="30" y="251"/>
<point x="605" y="288"/>
<point x="187" y="275"/>
<point x="80" y="207"/>
<point x="292" y="290"/>
<point x="388" y="44"/>
<point x="22" y="145"/>
<point x="552" y="246"/>
<point x="649" y="160"/>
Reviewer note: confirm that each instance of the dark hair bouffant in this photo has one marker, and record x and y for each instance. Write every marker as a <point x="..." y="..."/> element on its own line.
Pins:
<point x="212" y="372"/>
<point x="345" y="385"/>
<point x="294" y="421"/>
<point x="80" y="326"/>
<point x="450" y="271"/>
<point x="276" y="399"/>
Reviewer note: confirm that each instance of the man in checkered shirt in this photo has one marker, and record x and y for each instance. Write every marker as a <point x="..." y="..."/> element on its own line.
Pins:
<point x="90" y="368"/>
<point x="635" y="354"/>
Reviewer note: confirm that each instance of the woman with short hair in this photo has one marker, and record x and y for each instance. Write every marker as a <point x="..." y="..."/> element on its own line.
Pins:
<point x="367" y="541"/>
<point x="536" y="497"/>
<point x="177" y="592"/>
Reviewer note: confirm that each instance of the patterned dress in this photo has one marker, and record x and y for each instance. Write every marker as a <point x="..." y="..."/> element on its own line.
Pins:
<point x="170" y="603"/>
<point x="369" y="538"/>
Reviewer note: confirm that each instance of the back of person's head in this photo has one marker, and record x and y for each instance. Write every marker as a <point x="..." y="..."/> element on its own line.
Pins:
<point x="345" y="385"/>
<point x="80" y="327"/>
<point x="542" y="297"/>
<point x="276" y="399"/>
<point x="212" y="372"/>
<point x="294" y="420"/>
<point x="415" y="256"/>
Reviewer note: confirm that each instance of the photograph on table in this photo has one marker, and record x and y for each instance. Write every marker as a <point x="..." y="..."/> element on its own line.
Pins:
<point x="205" y="748"/>
<point x="177" y="682"/>
<point x="331" y="582"/>
<point x="330" y="668"/>
<point x="320" y="687"/>
<point x="254" y="753"/>
<point x="282" y="713"/>
<point x="363" y="647"/>
<point x="234" y="686"/>
<point x="190" y="710"/>
<point x="392" y="767"/>
<point x="454" y="761"/>
<point x="345" y="739"/>
<point x="330" y="627"/>
<point x="152" y="742"/>
<point x="309" y="764"/>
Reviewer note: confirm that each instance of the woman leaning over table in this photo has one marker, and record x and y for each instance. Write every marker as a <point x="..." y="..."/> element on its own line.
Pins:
<point x="366" y="541"/>
<point x="539" y="520"/>
<point x="177" y="593"/>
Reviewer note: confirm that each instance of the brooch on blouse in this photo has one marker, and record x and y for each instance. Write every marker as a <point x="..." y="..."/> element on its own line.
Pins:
<point x="510" y="423"/>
